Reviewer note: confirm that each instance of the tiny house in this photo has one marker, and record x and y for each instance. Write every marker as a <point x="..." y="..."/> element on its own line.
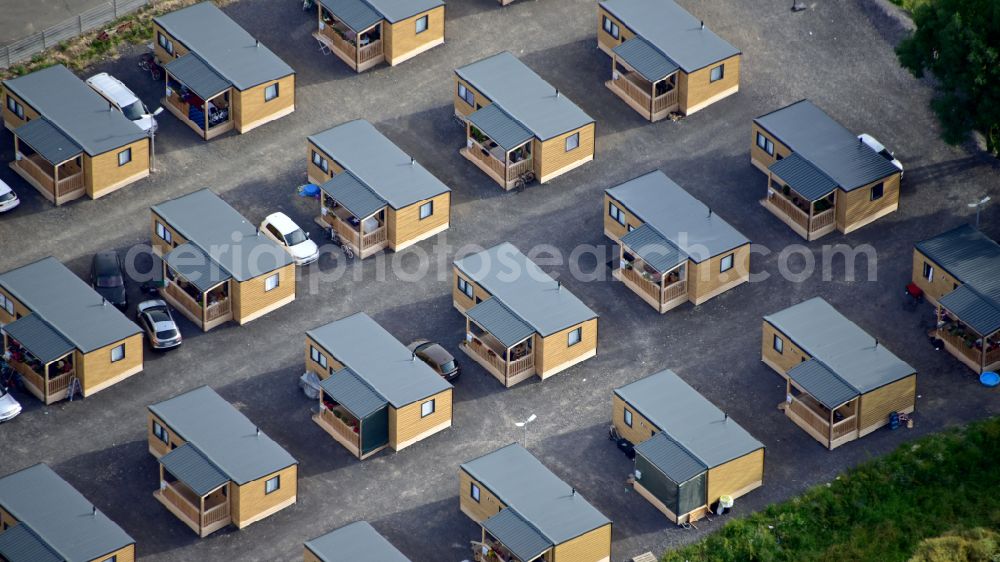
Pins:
<point x="68" y="141"/>
<point x="43" y="518"/>
<point x="688" y="453"/>
<point x="519" y="321"/>
<point x="527" y="513"/>
<point x="61" y="336"/>
<point x="375" y="393"/>
<point x="959" y="272"/>
<point x="663" y="60"/>
<point x="840" y="383"/>
<point x="217" y="267"/>
<point x="216" y="467"/>
<point x="374" y="195"/>
<point x="672" y="248"/>
<point x="365" y="33"/>
<point x="218" y="77"/>
<point x="355" y="542"/>
<point x="820" y="176"/>
<point x="516" y="122"/>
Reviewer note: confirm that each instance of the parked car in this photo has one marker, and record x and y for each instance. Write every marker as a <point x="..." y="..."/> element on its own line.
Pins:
<point x="122" y="99"/>
<point x="155" y="318"/>
<point x="8" y="199"/>
<point x="108" y="279"/>
<point x="436" y="357"/>
<point x="295" y="241"/>
<point x="882" y="150"/>
<point x="9" y="407"/>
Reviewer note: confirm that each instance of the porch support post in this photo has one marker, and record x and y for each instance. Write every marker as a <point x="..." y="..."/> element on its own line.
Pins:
<point x="204" y="308"/>
<point x="204" y="117"/>
<point x="357" y="52"/>
<point x="982" y="361"/>
<point x="652" y="96"/>
<point x="201" y="515"/>
<point x="45" y="381"/>
<point x="506" y="165"/>
<point x="830" y="429"/>
<point x="507" y="363"/>
<point x="55" y="182"/>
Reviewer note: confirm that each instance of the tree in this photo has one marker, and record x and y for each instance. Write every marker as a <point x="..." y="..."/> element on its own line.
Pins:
<point x="958" y="41"/>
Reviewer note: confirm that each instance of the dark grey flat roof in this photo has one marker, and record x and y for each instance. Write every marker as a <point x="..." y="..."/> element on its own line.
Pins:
<point x="807" y="180"/>
<point x="389" y="172"/>
<point x="59" y="515"/>
<point x="842" y="346"/>
<point x="355" y="542"/>
<point x="67" y="304"/>
<point x="48" y="141"/>
<point x="20" y="544"/>
<point x="223" y="435"/>
<point x="42" y="340"/>
<point x="357" y="14"/>
<point x="222" y="234"/>
<point x="654" y="249"/>
<point x="353" y="195"/>
<point x="225" y="46"/>
<point x="533" y="102"/>
<point x="192" y="71"/>
<point x="822" y="384"/>
<point x="974" y="308"/>
<point x="352" y="392"/>
<point x="501" y="127"/>
<point x="689" y="418"/>
<point x="192" y="467"/>
<point x="396" y="10"/>
<point x="523" y="483"/>
<point x="519" y="536"/>
<point x="499" y="321"/>
<point x="194" y="264"/>
<point x="646" y="59"/>
<point x="678" y="216"/>
<point x="670" y="458"/>
<point x="525" y="289"/>
<point x="828" y="145"/>
<point x="672" y="30"/>
<point x="378" y="358"/>
<point x="77" y="111"/>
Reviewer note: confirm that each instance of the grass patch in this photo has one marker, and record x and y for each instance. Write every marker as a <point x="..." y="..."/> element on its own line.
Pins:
<point x="941" y="484"/>
<point x="909" y="5"/>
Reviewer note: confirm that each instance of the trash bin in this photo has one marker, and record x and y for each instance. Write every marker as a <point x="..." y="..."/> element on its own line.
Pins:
<point x="723" y="506"/>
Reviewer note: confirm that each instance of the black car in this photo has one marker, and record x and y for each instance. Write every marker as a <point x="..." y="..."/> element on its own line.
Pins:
<point x="108" y="279"/>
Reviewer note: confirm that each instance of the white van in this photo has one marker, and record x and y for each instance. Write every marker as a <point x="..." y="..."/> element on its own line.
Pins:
<point x="122" y="99"/>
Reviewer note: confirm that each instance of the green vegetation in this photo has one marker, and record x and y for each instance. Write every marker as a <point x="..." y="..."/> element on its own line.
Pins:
<point x="958" y="41"/>
<point x="977" y="545"/>
<point x="909" y="5"/>
<point x="881" y="510"/>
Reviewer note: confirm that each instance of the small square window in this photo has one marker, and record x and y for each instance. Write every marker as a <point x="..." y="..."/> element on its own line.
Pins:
<point x="474" y="491"/>
<point x="572" y="142"/>
<point x="574" y="337"/>
<point x="271" y="282"/>
<point x="164" y="233"/>
<point x="779" y="344"/>
<point x="928" y="272"/>
<point x="7" y="304"/>
<point x="317" y="356"/>
<point x="271" y="92"/>
<point x="124" y="157"/>
<point x="765" y="143"/>
<point x="427" y="408"/>
<point x="320" y="162"/>
<point x="111" y="559"/>
<point x="14" y="107"/>
<point x="117" y="353"/>
<point x="465" y="287"/>
<point x="422" y="24"/>
<point x="426" y="210"/>
<point x="161" y="433"/>
<point x="726" y="264"/>
<point x="466" y="94"/>
<point x="272" y="485"/>
<point x="877" y="191"/>
<point x="611" y="28"/>
<point x="628" y="417"/>
<point x="616" y="213"/>
<point x="167" y="44"/>
<point x="717" y="73"/>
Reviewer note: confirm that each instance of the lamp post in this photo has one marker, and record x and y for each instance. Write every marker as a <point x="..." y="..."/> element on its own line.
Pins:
<point x="978" y="206"/>
<point x="524" y="424"/>
<point x="152" y="141"/>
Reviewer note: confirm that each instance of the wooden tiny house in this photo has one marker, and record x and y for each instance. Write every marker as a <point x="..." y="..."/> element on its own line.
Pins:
<point x="354" y="542"/>
<point x="841" y="383"/>
<point x="216" y="467"/>
<point x="60" y="335"/>
<point x="219" y="77"/>
<point x="663" y="59"/>
<point x="688" y="453"/>
<point x="516" y="122"/>
<point x="672" y="248"/>
<point x="216" y="266"/>
<point x="820" y="176"/>
<point x="68" y="142"/>
<point x="959" y="272"/>
<point x="520" y="322"/>
<point x="365" y="33"/>
<point x="529" y="514"/>
<point x="373" y="194"/>
<point x="45" y="519"/>
<point x="375" y="392"/>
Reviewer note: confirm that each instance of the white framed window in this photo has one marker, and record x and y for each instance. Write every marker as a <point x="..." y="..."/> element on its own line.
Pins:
<point x="117" y="353"/>
<point x="161" y="433"/>
<point x="574" y="337"/>
<point x="427" y="408"/>
<point x="14" y="107"/>
<point x="778" y="344"/>
<point x="317" y="356"/>
<point x="572" y="142"/>
<point x="474" y="491"/>
<point x="271" y="283"/>
<point x="465" y="287"/>
<point x="164" y="42"/>
<point x="7" y="304"/>
<point x="877" y="192"/>
<point x="113" y="558"/>
<point x="726" y="264"/>
<point x="320" y="162"/>
<point x="611" y="28"/>
<point x="426" y="210"/>
<point x="928" y="272"/>
<point x="163" y="233"/>
<point x="466" y="94"/>
<point x="124" y="157"/>
<point x="616" y="213"/>
<point x="628" y="417"/>
<point x="422" y="24"/>
<point x="765" y="144"/>
<point x="272" y="484"/>
<point x="271" y="92"/>
<point x="717" y="73"/>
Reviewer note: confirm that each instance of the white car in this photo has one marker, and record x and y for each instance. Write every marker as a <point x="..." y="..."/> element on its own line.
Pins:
<point x="9" y="407"/>
<point x="122" y="99"/>
<point x="881" y="150"/>
<point x="8" y="199"/>
<point x="294" y="240"/>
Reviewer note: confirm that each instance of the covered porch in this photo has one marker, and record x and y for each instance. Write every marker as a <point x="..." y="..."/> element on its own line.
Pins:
<point x="198" y="96"/>
<point x="644" y="78"/>
<point x="45" y="360"/>
<point x="356" y="213"/>
<point x="965" y="339"/>
<point x="499" y="146"/>
<point x="352" y="30"/>
<point x="500" y="342"/>
<point x="194" y="490"/>
<point x="353" y="414"/>
<point x="49" y="160"/>
<point x="507" y="537"/>
<point x="822" y="404"/>
<point x="653" y="268"/>
<point x="197" y="287"/>
<point x="802" y="197"/>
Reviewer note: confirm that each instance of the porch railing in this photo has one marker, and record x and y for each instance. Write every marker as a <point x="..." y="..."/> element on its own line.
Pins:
<point x="973" y="353"/>
<point x="844" y="427"/>
<point x="345" y="231"/>
<point x="215" y="514"/>
<point x="370" y="51"/>
<point x="217" y="310"/>
<point x="340" y="428"/>
<point x="665" y="101"/>
<point x="521" y="365"/>
<point x="181" y="296"/>
<point x="790" y="210"/>
<point x="992" y="356"/>
<point x="335" y="41"/>
<point x="647" y="286"/>
<point x="675" y="290"/>
<point x="480" y="153"/>
<point x="59" y="383"/>
<point x="374" y="238"/>
<point x="632" y="90"/>
<point x="821" y="220"/>
<point x="177" y="499"/>
<point x="36" y="172"/>
<point x="488" y="354"/>
<point x="518" y="169"/>
<point x="31" y="377"/>
<point x="809" y="416"/>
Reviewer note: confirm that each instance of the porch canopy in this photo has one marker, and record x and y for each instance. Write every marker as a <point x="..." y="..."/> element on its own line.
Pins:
<point x="681" y="482"/>
<point x="196" y="267"/>
<point x="803" y="177"/>
<point x="39" y="338"/>
<point x="351" y="392"/>
<point x="521" y="538"/>
<point x="20" y="542"/>
<point x="645" y="59"/>
<point x="497" y="124"/>
<point x="351" y="193"/>
<point x="192" y="71"/>
<point x="660" y="253"/>
<point x="822" y="384"/>
<point x="48" y="141"/>
<point x="974" y="309"/>
<point x="356" y="14"/>
<point x="507" y="327"/>
<point x="192" y="467"/>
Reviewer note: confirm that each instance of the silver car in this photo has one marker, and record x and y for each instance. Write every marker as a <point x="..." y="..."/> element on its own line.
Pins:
<point x="9" y="407"/>
<point x="156" y="320"/>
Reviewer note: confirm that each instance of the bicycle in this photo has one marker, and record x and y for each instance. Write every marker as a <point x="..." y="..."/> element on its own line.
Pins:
<point x="331" y="233"/>
<point x="147" y="63"/>
<point x="523" y="180"/>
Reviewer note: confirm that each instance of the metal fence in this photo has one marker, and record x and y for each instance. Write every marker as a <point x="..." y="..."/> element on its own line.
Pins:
<point x="24" y="49"/>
